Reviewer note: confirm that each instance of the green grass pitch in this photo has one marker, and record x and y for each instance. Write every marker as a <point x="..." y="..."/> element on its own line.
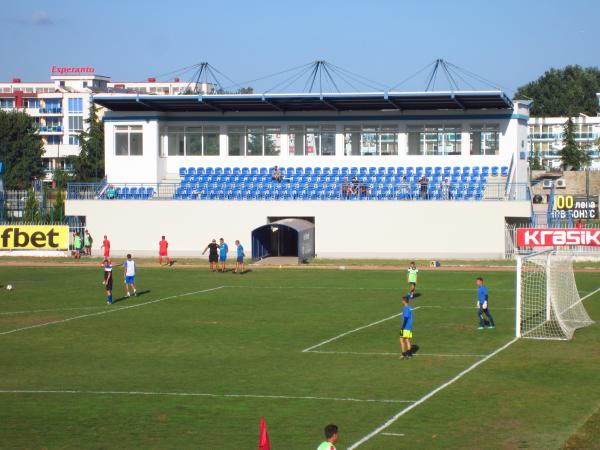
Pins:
<point x="173" y="371"/>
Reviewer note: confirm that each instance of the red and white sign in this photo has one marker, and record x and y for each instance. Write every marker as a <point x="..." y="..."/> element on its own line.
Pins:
<point x="552" y="237"/>
<point x="65" y="70"/>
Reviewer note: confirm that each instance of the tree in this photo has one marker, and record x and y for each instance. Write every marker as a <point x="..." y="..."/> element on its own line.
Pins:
<point x="535" y="162"/>
<point x="572" y="155"/>
<point x="31" y="211"/>
<point x="21" y="149"/>
<point x="58" y="210"/>
<point x="89" y="164"/>
<point x="563" y="92"/>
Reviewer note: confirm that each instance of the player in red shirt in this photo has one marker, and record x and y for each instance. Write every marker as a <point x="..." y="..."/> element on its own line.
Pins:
<point x="163" y="245"/>
<point x="106" y="247"/>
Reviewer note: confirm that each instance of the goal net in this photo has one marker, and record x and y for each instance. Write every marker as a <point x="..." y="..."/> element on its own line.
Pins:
<point x="548" y="303"/>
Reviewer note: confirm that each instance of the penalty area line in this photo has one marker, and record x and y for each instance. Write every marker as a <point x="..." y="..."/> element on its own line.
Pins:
<point x="418" y="354"/>
<point x="426" y="397"/>
<point x="335" y="338"/>
<point x="197" y="394"/>
<point x="83" y="316"/>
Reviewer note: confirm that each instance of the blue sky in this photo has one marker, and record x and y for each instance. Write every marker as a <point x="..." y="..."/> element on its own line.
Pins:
<point x="510" y="41"/>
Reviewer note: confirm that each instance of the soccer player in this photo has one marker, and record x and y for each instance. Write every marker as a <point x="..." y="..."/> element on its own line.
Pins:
<point x="331" y="437"/>
<point x="223" y="249"/>
<point x="412" y="274"/>
<point x="213" y="255"/>
<point x="482" y="306"/>
<point x="406" y="330"/>
<point x="88" y="240"/>
<point x="129" y="275"/>
<point x="239" y="263"/>
<point x="106" y="246"/>
<point x="163" y="245"/>
<point x="77" y="246"/>
<point x="108" y="280"/>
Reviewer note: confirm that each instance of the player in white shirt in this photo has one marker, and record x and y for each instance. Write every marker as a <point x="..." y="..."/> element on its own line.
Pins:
<point x="129" y="274"/>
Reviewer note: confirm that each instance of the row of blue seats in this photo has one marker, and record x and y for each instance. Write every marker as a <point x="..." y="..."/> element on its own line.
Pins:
<point x="495" y="170"/>
<point x="133" y="193"/>
<point x="331" y="195"/>
<point x="334" y="184"/>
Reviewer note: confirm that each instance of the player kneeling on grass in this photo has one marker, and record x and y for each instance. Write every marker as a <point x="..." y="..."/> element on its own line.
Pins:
<point x="482" y="306"/>
<point x="406" y="330"/>
<point x="331" y="437"/>
<point x="129" y="274"/>
<point x="108" y="280"/>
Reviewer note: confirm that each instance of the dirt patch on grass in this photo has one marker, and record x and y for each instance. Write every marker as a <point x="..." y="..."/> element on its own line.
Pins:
<point x="587" y="436"/>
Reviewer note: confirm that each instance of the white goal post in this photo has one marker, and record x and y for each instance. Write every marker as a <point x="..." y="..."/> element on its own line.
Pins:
<point x="548" y="302"/>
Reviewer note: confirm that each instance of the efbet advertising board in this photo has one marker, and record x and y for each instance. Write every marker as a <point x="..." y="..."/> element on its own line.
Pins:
<point x="34" y="237"/>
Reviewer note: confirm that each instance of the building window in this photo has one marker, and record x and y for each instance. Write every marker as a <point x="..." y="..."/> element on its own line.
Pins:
<point x="76" y="105"/>
<point x="53" y="106"/>
<point x="128" y="140"/>
<point x="7" y="103"/>
<point x="311" y="140"/>
<point x="254" y="141"/>
<point x="33" y="103"/>
<point x="370" y="140"/>
<point x="54" y="140"/>
<point x="190" y="141"/>
<point x="434" y="140"/>
<point x="73" y="139"/>
<point x="485" y="139"/>
<point x="75" y="123"/>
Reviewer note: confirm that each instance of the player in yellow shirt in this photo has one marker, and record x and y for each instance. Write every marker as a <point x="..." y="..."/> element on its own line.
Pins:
<point x="412" y="275"/>
<point x="331" y="437"/>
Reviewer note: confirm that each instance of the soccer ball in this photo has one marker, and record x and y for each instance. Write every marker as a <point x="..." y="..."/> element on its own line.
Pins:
<point x="342" y="267"/>
<point x="9" y="287"/>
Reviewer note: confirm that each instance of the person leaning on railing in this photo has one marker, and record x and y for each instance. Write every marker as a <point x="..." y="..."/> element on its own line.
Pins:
<point x="111" y="193"/>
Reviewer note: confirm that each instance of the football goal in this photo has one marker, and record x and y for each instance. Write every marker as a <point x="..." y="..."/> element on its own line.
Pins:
<point x="548" y="303"/>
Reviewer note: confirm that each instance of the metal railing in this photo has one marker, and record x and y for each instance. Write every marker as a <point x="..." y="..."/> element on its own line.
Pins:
<point x="286" y="190"/>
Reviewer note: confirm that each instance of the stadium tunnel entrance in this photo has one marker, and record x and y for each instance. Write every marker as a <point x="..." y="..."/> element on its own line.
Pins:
<point x="292" y="237"/>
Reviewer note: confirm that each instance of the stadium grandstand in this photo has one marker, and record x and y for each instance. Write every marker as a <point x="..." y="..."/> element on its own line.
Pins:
<point x="365" y="168"/>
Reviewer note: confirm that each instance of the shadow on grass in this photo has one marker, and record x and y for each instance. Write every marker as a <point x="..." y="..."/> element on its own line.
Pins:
<point x="124" y="297"/>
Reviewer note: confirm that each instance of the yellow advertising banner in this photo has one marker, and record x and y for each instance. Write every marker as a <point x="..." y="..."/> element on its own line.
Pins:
<point x="34" y="237"/>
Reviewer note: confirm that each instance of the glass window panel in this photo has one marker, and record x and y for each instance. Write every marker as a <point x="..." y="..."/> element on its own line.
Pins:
<point x="121" y="144"/>
<point x="296" y="140"/>
<point x="135" y="144"/>
<point x="351" y="140"/>
<point x="193" y="130"/>
<point x="135" y="128"/>
<point x="389" y="144"/>
<point x="211" y="144"/>
<point x="176" y="144"/>
<point x="254" y="142"/>
<point x="272" y="142"/>
<point x="312" y="141"/>
<point x="368" y="142"/>
<point x="328" y="141"/>
<point x="236" y="144"/>
<point x="193" y="144"/>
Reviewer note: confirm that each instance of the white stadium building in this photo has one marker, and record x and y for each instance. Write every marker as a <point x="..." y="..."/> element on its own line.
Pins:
<point x="438" y="174"/>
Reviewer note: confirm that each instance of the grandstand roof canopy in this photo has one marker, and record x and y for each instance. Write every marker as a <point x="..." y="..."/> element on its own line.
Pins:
<point x="371" y="101"/>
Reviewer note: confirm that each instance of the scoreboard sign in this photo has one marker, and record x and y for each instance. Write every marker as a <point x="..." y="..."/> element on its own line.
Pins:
<point x="577" y="207"/>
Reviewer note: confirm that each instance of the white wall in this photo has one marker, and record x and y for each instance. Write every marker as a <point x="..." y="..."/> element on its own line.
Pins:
<point x="513" y="135"/>
<point x="375" y="229"/>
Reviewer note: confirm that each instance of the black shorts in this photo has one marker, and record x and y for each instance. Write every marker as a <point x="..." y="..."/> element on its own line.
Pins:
<point x="213" y="258"/>
<point x="108" y="286"/>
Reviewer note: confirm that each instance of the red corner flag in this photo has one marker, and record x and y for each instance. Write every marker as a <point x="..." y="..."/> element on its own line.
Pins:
<point x="263" y="439"/>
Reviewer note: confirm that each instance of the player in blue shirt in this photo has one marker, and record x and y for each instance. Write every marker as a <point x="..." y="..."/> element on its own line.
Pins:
<point x="239" y="263"/>
<point x="482" y="306"/>
<point x="223" y="249"/>
<point x="406" y="330"/>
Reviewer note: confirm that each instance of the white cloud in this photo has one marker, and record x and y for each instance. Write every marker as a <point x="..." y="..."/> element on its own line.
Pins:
<point x="41" y="18"/>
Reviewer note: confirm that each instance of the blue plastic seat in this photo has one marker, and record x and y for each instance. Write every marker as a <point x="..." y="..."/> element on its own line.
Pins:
<point x="182" y="171"/>
<point x="504" y="171"/>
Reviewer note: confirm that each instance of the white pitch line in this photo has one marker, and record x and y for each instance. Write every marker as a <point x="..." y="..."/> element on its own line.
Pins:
<point x="341" y="288"/>
<point x="198" y="394"/>
<point x="450" y="355"/>
<point x="392" y="434"/>
<point x="352" y="331"/>
<point x="137" y="305"/>
<point x="429" y="395"/>
<point x="9" y="313"/>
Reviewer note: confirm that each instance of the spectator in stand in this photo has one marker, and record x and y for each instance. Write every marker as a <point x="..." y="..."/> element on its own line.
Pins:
<point x="345" y="189"/>
<point x="404" y="193"/>
<point x="423" y="187"/>
<point x="111" y="193"/>
<point x="446" y="189"/>
<point x="364" y="188"/>
<point x="276" y="175"/>
<point x="355" y="184"/>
